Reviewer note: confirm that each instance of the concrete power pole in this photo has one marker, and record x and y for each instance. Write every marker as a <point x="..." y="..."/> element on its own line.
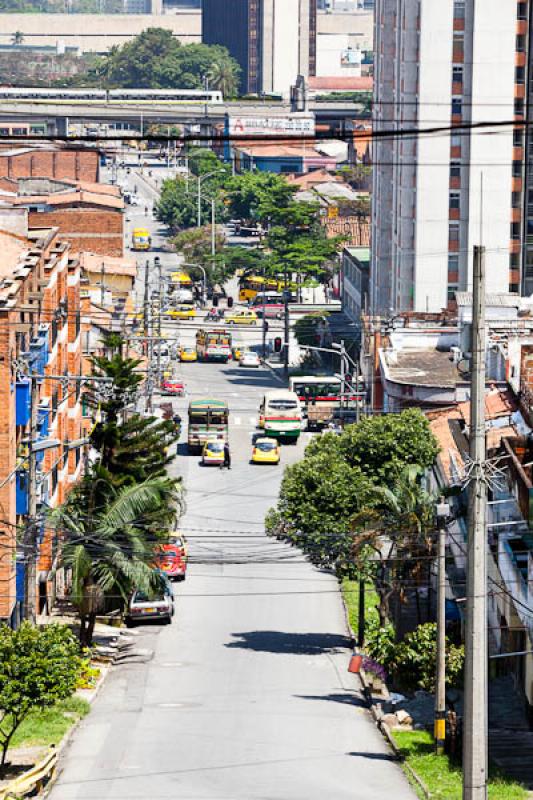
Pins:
<point x="439" y="734"/>
<point x="475" y="685"/>
<point x="30" y="534"/>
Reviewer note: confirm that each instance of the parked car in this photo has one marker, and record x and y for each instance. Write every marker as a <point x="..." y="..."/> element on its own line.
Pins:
<point x="169" y="386"/>
<point x="154" y="604"/>
<point x="249" y="359"/>
<point x="172" y="562"/>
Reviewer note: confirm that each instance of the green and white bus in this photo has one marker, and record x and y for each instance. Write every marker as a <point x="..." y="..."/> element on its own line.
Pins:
<point x="207" y="417"/>
<point x="280" y="414"/>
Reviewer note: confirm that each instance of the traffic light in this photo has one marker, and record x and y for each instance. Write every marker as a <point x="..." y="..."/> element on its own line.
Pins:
<point x="230" y="302"/>
<point x="278" y="344"/>
<point x="215" y="300"/>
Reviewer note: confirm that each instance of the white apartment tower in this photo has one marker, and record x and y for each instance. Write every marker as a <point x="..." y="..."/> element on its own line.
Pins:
<point x="455" y="69"/>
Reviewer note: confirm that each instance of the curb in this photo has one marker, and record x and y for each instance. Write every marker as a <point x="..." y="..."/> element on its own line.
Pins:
<point x="273" y="371"/>
<point x="65" y="741"/>
<point x="382" y="726"/>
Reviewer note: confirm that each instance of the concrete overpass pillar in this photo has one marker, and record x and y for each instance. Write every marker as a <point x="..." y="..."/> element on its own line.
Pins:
<point x="61" y="126"/>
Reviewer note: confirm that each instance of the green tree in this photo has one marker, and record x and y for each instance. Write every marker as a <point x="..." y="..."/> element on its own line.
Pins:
<point x="178" y="204"/>
<point x="224" y="75"/>
<point x="413" y="661"/>
<point x="38" y="667"/>
<point x="131" y="448"/>
<point x="337" y="490"/>
<point x="318" y="497"/>
<point x="382" y="445"/>
<point x="395" y="531"/>
<point x="203" y="161"/>
<point x="110" y="538"/>
<point x="195" y="246"/>
<point x="253" y="196"/>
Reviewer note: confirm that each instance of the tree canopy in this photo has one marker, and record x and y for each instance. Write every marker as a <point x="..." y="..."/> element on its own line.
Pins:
<point x="38" y="667"/>
<point x="342" y="485"/>
<point x="155" y="59"/>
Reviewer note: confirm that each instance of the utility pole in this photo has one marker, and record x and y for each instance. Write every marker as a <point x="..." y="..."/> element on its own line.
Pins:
<point x="146" y="299"/>
<point x="439" y="728"/>
<point x="102" y="284"/>
<point x="286" y="294"/>
<point x="343" y="372"/>
<point x="475" y="684"/>
<point x="160" y="285"/>
<point x="30" y="534"/>
<point x="199" y="208"/>
<point x="213" y="228"/>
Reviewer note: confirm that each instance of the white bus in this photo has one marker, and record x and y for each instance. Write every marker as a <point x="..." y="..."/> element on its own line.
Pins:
<point x="280" y="414"/>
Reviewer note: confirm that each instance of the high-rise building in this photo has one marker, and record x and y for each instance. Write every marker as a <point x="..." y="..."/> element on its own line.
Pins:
<point x="458" y="67"/>
<point x="273" y="40"/>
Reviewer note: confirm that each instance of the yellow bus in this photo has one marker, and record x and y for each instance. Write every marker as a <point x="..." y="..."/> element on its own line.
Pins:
<point x="181" y="279"/>
<point x="141" y="239"/>
<point x="251" y="285"/>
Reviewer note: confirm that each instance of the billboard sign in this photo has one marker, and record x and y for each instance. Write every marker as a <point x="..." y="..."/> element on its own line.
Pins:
<point x="294" y="125"/>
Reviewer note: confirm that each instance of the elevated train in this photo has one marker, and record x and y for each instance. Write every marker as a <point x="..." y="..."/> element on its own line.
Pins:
<point x="110" y="96"/>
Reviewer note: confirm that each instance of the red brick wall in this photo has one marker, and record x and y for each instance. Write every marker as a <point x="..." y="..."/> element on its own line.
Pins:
<point x="96" y="231"/>
<point x="77" y="165"/>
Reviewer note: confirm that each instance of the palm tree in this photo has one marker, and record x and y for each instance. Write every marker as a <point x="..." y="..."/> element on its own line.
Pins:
<point x="17" y="38"/>
<point x="224" y="76"/>
<point x="110" y="538"/>
<point x="394" y="533"/>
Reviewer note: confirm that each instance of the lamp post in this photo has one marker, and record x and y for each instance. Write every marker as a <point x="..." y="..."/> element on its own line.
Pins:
<point x="204" y="278"/>
<point x="201" y="178"/>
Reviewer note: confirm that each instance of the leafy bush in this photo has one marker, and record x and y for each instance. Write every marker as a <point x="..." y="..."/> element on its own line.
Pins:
<point x="380" y="641"/>
<point x="414" y="661"/>
<point x="37" y="669"/>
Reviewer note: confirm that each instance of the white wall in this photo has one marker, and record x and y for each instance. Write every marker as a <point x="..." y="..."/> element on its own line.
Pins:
<point x="491" y="155"/>
<point x="286" y="33"/>
<point x="432" y="195"/>
<point x="330" y="50"/>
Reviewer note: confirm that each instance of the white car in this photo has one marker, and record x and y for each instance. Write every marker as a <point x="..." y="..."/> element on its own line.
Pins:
<point x="249" y="359"/>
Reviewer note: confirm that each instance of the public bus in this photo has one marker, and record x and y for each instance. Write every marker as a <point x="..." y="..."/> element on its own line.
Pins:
<point x="268" y="305"/>
<point x="141" y="239"/>
<point x="251" y="285"/>
<point x="280" y="414"/>
<point x="181" y="287"/>
<point x="207" y="418"/>
<point x="213" y="345"/>
<point x="320" y="396"/>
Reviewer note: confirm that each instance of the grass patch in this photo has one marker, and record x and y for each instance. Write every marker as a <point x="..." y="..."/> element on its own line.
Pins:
<point x="350" y="592"/>
<point x="48" y="727"/>
<point x="444" y="780"/>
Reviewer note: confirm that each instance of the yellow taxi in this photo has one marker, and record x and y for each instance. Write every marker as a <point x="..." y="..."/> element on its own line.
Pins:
<point x="213" y="453"/>
<point x="241" y="318"/>
<point x="266" y="451"/>
<point x="237" y="351"/>
<point x="188" y="354"/>
<point x="183" y="312"/>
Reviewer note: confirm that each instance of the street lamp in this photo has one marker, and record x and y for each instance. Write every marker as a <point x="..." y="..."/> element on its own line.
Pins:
<point x="204" y="279"/>
<point x="200" y="179"/>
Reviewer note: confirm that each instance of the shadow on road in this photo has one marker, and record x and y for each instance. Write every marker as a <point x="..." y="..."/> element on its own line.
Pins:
<point x="345" y="699"/>
<point x="305" y="644"/>
<point x="375" y="756"/>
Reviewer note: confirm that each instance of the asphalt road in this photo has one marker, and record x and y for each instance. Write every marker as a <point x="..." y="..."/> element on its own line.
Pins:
<point x="246" y="696"/>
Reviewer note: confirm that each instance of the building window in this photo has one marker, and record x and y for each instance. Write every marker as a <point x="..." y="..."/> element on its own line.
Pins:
<point x="457" y="105"/>
<point x="452" y="289"/>
<point x="455" y="169"/>
<point x="515" y="199"/>
<point x="515" y="230"/>
<point x="520" y="75"/>
<point x="455" y="200"/>
<point x="454" y="231"/>
<point x="519" y="106"/>
<point x="459" y="9"/>
<point x="457" y="74"/>
<point x="517" y="169"/>
<point x="514" y="261"/>
<point x="518" y="137"/>
<point x="521" y="10"/>
<point x="521" y="43"/>
<point x="456" y="140"/>
<point x="453" y="263"/>
<point x="514" y="288"/>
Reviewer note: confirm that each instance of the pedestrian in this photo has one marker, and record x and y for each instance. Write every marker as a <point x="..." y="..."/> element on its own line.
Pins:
<point x="227" y="456"/>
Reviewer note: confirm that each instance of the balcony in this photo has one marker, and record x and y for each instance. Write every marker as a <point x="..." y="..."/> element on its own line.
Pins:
<point x="22" y="506"/>
<point x="22" y="402"/>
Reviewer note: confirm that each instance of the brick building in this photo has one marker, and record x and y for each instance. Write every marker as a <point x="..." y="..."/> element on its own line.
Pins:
<point x="90" y="220"/>
<point x="50" y="161"/>
<point x="40" y="329"/>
